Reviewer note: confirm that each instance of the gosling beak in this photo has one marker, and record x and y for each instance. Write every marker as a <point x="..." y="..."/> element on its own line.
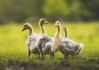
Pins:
<point x="46" y="22"/>
<point x="23" y="29"/>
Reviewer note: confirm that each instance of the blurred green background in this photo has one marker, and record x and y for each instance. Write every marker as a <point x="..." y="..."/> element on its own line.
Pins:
<point x="67" y="10"/>
<point x="81" y="17"/>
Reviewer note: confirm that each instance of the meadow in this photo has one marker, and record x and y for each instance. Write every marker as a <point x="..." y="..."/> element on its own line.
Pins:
<point x="13" y="50"/>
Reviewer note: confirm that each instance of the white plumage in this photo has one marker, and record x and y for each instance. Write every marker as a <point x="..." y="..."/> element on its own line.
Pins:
<point x="65" y="45"/>
<point x="32" y="44"/>
<point x="45" y="44"/>
<point x="32" y="40"/>
<point x="70" y="47"/>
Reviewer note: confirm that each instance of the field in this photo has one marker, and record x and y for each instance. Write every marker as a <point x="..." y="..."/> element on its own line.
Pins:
<point x="13" y="50"/>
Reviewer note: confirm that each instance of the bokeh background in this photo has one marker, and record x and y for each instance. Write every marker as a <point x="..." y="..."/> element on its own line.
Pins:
<point x="67" y="10"/>
<point x="81" y="17"/>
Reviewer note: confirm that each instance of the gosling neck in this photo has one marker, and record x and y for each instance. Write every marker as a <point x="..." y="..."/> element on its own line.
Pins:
<point x="42" y="28"/>
<point x="57" y="36"/>
<point x="31" y="32"/>
<point x="65" y="31"/>
<point x="58" y="31"/>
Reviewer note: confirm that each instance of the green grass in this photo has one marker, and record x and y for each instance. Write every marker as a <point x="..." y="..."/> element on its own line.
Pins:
<point x="13" y="50"/>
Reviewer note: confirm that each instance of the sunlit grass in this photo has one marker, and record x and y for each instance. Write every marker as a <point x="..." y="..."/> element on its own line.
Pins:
<point x="13" y="42"/>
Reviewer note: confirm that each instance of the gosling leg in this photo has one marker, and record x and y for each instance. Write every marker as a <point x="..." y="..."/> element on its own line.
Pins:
<point x="53" y="55"/>
<point x="42" y="55"/>
<point x="67" y="57"/>
<point x="29" y="53"/>
<point x="64" y="56"/>
<point x="50" y="56"/>
<point x="39" y="56"/>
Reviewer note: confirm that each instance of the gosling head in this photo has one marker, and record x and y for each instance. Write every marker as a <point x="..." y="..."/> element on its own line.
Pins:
<point x="57" y="24"/>
<point x="26" y="26"/>
<point x="43" y="21"/>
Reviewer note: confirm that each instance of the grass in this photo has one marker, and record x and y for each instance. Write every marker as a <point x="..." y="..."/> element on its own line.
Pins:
<point x="13" y="50"/>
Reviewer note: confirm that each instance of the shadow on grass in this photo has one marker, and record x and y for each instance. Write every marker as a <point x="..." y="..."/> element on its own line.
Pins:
<point x="51" y="65"/>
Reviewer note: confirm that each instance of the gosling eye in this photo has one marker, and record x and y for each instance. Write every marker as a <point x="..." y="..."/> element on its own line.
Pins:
<point x="30" y="38"/>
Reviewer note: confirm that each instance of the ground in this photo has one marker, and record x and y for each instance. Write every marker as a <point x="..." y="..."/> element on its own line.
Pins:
<point x="13" y="50"/>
